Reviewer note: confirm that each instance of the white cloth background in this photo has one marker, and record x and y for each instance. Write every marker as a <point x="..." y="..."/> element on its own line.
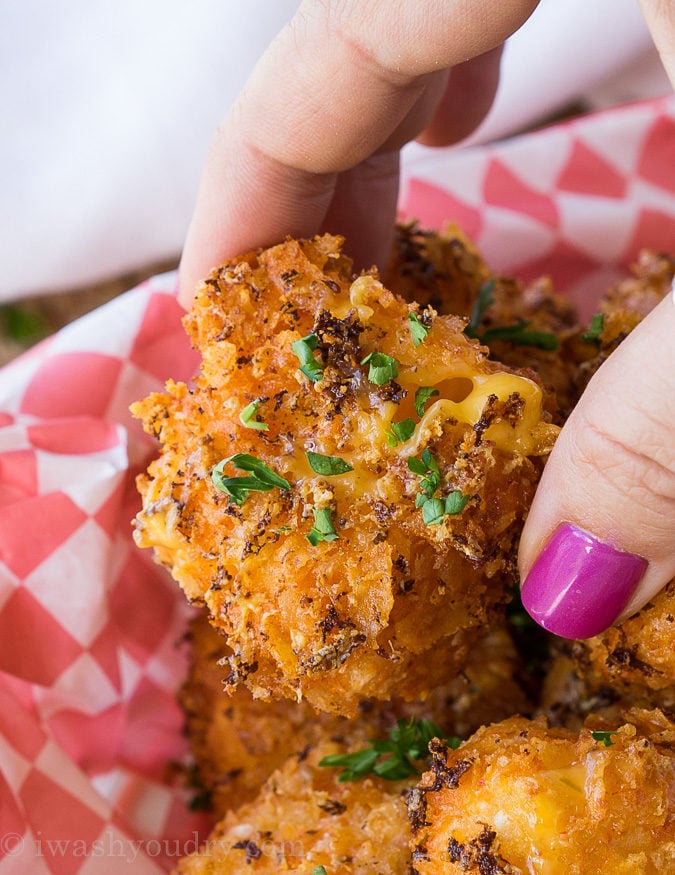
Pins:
<point x="107" y="108"/>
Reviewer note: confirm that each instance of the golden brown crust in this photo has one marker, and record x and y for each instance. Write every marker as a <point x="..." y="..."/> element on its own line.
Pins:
<point x="632" y="664"/>
<point x="369" y="612"/>
<point x="624" y="306"/>
<point x="446" y="270"/>
<point x="394" y="604"/>
<point x="237" y="741"/>
<point x="304" y="818"/>
<point x="519" y="797"/>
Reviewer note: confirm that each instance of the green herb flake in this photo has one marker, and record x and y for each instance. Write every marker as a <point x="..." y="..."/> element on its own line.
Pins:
<point x="328" y="466"/>
<point x="393" y="758"/>
<point x="304" y="350"/>
<point x="604" y="736"/>
<point x="434" y="509"/>
<point x="520" y="334"/>
<point x="484" y="300"/>
<point x="246" y="417"/>
<point x="423" y="394"/>
<point x="455" y="502"/>
<point x="517" y="333"/>
<point x="595" y="329"/>
<point x="202" y="800"/>
<point x="401" y="432"/>
<point x="319" y="870"/>
<point x="322" y="529"/>
<point x="382" y="368"/>
<point x="427" y="468"/>
<point x="418" y="329"/>
<point x="262" y="479"/>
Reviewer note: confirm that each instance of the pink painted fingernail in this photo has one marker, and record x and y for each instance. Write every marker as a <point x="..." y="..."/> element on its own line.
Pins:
<point x="579" y="585"/>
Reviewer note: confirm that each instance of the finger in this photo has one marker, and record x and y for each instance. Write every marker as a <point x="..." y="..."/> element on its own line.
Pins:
<point x="660" y="18"/>
<point x="600" y="538"/>
<point x="363" y="208"/>
<point x="469" y="94"/>
<point x="341" y="82"/>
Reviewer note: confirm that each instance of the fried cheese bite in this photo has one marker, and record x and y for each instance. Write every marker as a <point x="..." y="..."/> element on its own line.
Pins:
<point x="344" y="485"/>
<point x="629" y="664"/>
<point x="624" y="306"/>
<point x="524" y="326"/>
<point x="519" y="797"/>
<point x="304" y="818"/>
<point x="237" y="741"/>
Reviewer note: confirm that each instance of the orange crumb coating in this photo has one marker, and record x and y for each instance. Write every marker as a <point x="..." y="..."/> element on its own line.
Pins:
<point x="238" y="741"/>
<point x="394" y="604"/>
<point x="519" y="797"/>
<point x="625" y="304"/>
<point x="629" y="664"/>
<point x="303" y="818"/>
<point x="446" y="270"/>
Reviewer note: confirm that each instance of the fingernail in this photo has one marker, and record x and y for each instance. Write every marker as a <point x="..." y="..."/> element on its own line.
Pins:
<point x="579" y="585"/>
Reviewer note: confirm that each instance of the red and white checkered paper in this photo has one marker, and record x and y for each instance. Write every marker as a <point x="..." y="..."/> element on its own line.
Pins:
<point x="90" y="628"/>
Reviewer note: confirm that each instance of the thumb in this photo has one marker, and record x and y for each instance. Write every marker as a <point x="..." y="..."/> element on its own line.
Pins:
<point x="599" y="541"/>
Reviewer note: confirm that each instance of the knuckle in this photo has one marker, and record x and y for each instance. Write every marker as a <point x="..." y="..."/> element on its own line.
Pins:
<point x="640" y="471"/>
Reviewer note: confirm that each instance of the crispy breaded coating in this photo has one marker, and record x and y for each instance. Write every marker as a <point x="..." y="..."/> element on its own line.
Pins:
<point x="625" y="305"/>
<point x="237" y="741"/>
<point x="629" y="664"/>
<point x="446" y="270"/>
<point x="304" y="818"/>
<point x="519" y="797"/>
<point x="397" y="579"/>
<point x="441" y="269"/>
<point x="572" y="700"/>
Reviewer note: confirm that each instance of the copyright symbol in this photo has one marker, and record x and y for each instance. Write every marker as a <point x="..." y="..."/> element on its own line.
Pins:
<point x="11" y="844"/>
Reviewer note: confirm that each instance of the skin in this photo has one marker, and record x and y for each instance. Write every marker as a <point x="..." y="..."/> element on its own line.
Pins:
<point x="313" y="143"/>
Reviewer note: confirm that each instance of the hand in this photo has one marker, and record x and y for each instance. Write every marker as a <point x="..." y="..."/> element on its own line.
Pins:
<point x="599" y="541"/>
<point x="312" y="144"/>
<point x="313" y="141"/>
<point x="600" y="538"/>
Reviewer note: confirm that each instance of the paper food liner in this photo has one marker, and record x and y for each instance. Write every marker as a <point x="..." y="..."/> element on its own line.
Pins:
<point x="91" y="631"/>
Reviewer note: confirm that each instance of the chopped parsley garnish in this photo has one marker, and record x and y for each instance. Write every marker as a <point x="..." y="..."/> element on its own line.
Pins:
<point x="401" y="432"/>
<point x="382" y="368"/>
<point x="434" y="509"/>
<point x="595" y="329"/>
<point x="418" y="329"/>
<point x="262" y="479"/>
<point x="517" y="333"/>
<point x="329" y="466"/>
<point x="484" y="300"/>
<point x="323" y="529"/>
<point x="319" y="870"/>
<point x="304" y="349"/>
<point x="423" y="394"/>
<point x="427" y="468"/>
<point x="394" y="758"/>
<point x="247" y="415"/>
<point x="604" y="735"/>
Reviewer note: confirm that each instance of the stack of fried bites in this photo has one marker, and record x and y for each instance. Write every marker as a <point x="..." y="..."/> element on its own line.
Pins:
<point x="343" y="489"/>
